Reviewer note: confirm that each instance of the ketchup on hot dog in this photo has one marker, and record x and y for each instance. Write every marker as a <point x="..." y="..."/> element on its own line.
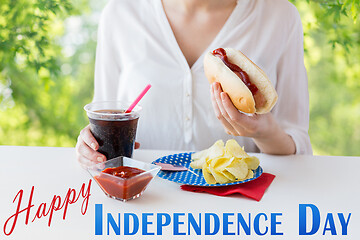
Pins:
<point x="258" y="97"/>
<point x="221" y="53"/>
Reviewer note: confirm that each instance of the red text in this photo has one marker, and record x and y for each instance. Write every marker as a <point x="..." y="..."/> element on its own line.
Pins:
<point x="44" y="209"/>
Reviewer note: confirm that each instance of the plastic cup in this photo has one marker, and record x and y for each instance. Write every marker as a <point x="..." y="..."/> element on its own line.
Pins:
<point x="112" y="128"/>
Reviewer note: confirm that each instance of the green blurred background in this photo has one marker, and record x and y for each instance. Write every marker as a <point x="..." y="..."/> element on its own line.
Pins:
<point x="47" y="54"/>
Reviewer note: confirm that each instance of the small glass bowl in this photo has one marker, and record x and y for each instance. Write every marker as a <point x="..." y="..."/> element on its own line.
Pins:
<point x="123" y="189"/>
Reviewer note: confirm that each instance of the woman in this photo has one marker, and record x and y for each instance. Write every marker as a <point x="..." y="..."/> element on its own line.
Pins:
<point x="163" y="43"/>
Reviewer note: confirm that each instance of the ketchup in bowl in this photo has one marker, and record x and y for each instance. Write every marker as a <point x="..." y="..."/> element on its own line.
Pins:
<point x="120" y="181"/>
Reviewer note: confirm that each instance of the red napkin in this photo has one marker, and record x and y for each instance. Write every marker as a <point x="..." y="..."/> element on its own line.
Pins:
<point x="254" y="189"/>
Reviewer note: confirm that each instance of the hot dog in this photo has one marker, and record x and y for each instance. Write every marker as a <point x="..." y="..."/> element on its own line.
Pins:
<point x="247" y="85"/>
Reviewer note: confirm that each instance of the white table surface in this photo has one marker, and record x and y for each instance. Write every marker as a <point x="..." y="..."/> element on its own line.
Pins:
<point x="330" y="183"/>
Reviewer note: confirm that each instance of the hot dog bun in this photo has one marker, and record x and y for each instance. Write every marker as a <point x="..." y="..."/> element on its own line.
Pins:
<point x="239" y="93"/>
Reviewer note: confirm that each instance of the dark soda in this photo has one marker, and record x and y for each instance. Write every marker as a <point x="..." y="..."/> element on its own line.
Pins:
<point x="114" y="133"/>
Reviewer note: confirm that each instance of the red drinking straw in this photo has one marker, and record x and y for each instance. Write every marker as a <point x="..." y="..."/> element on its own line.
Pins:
<point x="138" y="98"/>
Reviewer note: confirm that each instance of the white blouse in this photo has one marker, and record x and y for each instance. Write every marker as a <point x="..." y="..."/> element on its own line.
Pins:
<point x="136" y="46"/>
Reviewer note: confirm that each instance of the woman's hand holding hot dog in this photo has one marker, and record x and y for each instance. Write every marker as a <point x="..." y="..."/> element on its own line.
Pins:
<point x="263" y="128"/>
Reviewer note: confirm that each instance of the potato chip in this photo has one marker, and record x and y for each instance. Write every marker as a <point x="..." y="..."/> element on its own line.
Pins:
<point x="252" y="162"/>
<point x="250" y="174"/>
<point x="228" y="175"/>
<point x="219" y="177"/>
<point x="216" y="150"/>
<point x="224" y="164"/>
<point x="238" y="168"/>
<point x="198" y="163"/>
<point x="198" y="155"/>
<point x="198" y="159"/>
<point x="233" y="149"/>
<point x="207" y="175"/>
<point x="220" y="163"/>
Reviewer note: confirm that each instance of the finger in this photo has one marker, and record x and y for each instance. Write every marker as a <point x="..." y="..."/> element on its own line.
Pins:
<point x="84" y="162"/>
<point x="137" y="145"/>
<point x="85" y="151"/>
<point x="217" y="92"/>
<point x="214" y="103"/>
<point x="244" y="124"/>
<point x="233" y="113"/>
<point x="88" y="138"/>
<point x="223" y="115"/>
<point x="215" y="89"/>
<point x="226" y="106"/>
